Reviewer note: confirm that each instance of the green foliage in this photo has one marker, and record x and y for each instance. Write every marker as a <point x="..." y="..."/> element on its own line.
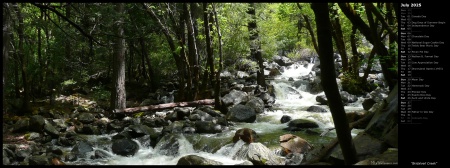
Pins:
<point x="68" y="82"/>
<point x="100" y="93"/>
<point x="138" y="115"/>
<point x="353" y="84"/>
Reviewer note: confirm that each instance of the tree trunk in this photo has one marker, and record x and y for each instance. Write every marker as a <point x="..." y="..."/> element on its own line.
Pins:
<point x="118" y="95"/>
<point x="6" y="32"/>
<point x="355" y="58"/>
<point x="178" y="60"/>
<point x="130" y="61"/>
<point x="311" y="33"/>
<point x="217" y="100"/>
<point x="255" y="45"/>
<point x="329" y="84"/>
<point x="193" y="53"/>
<point x="153" y="81"/>
<point x="339" y="39"/>
<point x="381" y="50"/>
<point x="165" y="106"/>
<point x="143" y="55"/>
<point x="209" y="49"/>
<point x="382" y="20"/>
<point x="26" y="89"/>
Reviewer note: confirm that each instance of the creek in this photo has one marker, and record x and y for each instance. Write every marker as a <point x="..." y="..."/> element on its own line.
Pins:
<point x="290" y="100"/>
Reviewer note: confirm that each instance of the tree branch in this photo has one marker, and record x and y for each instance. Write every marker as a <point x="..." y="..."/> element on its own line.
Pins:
<point x="68" y="20"/>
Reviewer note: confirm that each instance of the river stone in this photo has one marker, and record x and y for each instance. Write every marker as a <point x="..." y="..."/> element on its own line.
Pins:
<point x="234" y="97"/>
<point x="316" y="109"/>
<point x="282" y="60"/>
<point x="39" y="160"/>
<point x="322" y="99"/>
<point x="51" y="130"/>
<point x="368" y="103"/>
<point x="169" y="144"/>
<point x="82" y="148"/>
<point x="22" y="153"/>
<point x="347" y="97"/>
<point x="36" y="123"/>
<point x="21" y="125"/>
<point x="258" y="154"/>
<point x="125" y="147"/>
<point x="86" y="118"/>
<point x="257" y="104"/>
<point x="302" y="123"/>
<point x="242" y="113"/>
<point x="386" y="116"/>
<point x="294" y="144"/>
<point x="196" y="160"/>
<point x="100" y="154"/>
<point x="285" y="119"/>
<point x="199" y="114"/>
<point x="355" y="116"/>
<point x="32" y="136"/>
<point x="245" y="134"/>
<point x="267" y="99"/>
<point x="208" y="127"/>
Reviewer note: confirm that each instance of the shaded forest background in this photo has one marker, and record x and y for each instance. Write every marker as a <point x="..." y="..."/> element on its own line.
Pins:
<point x="105" y="50"/>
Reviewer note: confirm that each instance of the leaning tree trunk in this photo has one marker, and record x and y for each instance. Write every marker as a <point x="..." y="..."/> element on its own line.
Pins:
<point x="118" y="95"/>
<point x="255" y="45"/>
<point x="329" y="84"/>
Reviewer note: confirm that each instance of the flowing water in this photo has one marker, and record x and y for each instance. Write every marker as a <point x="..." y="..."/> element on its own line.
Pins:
<point x="290" y="100"/>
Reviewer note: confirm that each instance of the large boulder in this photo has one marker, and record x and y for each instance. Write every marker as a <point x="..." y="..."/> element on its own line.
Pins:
<point x="257" y="104"/>
<point x="285" y="119"/>
<point x="234" y="97"/>
<point x="386" y="116"/>
<point x="169" y="144"/>
<point x="125" y="147"/>
<point x="259" y="154"/>
<point x="366" y="146"/>
<point x="51" y="130"/>
<point x="241" y="113"/>
<point x="36" y="123"/>
<point x="86" y="118"/>
<point x="347" y="97"/>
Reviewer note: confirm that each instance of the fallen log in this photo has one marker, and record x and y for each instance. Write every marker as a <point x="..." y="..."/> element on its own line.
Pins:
<point x="165" y="106"/>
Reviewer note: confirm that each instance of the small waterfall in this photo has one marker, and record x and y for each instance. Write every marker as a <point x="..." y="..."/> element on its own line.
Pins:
<point x="230" y="150"/>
